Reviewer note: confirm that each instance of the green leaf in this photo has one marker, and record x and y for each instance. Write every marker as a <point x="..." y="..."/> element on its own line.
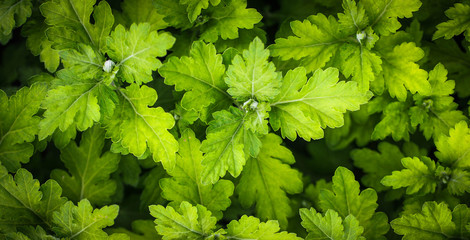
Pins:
<point x="317" y="37"/>
<point x="70" y="22"/>
<point x="418" y="176"/>
<point x="152" y="191"/>
<point x="89" y="169"/>
<point x="24" y="202"/>
<point x="307" y="107"/>
<point x="187" y="222"/>
<point x="85" y="61"/>
<point x="141" y="230"/>
<point x="436" y="113"/>
<point x="433" y="222"/>
<point x="400" y="72"/>
<point x="330" y="226"/>
<point x="194" y="7"/>
<point x="75" y="102"/>
<point x="251" y="228"/>
<point x="346" y="198"/>
<point x="377" y="164"/>
<point x="185" y="183"/>
<point x="13" y="13"/>
<point x="459" y="22"/>
<point x="18" y="125"/>
<point x="30" y="233"/>
<point x="224" y="20"/>
<point x="395" y="122"/>
<point x="174" y="13"/>
<point x="82" y="221"/>
<point x="37" y="42"/>
<point x="252" y="76"/>
<point x="225" y="144"/>
<point x="137" y="127"/>
<point x="453" y="149"/>
<point x="354" y="16"/>
<point x="201" y="76"/>
<point x="140" y="11"/>
<point x="136" y="51"/>
<point x="383" y="14"/>
<point x="260" y="182"/>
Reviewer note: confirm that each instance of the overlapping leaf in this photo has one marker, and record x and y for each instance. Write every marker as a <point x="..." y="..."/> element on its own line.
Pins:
<point x="260" y="182"/>
<point x="24" y="202"/>
<point x="196" y="222"/>
<point x="13" y="13"/>
<point x="252" y="76"/>
<point x="201" y="75"/>
<point x="225" y="145"/>
<point x="82" y="222"/>
<point x="330" y="226"/>
<point x="418" y="176"/>
<point x="136" y="51"/>
<point x="346" y="198"/>
<point x="76" y="102"/>
<point x="140" y="11"/>
<point x="89" y="169"/>
<point x="19" y="125"/>
<point x="306" y="107"/>
<point x="138" y="127"/>
<point x="70" y="24"/>
<point x="185" y="183"/>
<point x="435" y="221"/>
<point x="458" y="23"/>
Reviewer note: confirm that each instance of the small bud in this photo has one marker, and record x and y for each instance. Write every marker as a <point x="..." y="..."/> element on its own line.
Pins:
<point x="254" y="105"/>
<point x="108" y="66"/>
<point x="360" y="36"/>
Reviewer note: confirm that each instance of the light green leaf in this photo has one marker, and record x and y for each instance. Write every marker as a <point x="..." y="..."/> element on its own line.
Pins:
<point x="137" y="127"/>
<point x="330" y="226"/>
<point x="459" y="22"/>
<point x="89" y="169"/>
<point x="75" y="102"/>
<point x="317" y="37"/>
<point x="185" y="183"/>
<point x="453" y="149"/>
<point x="418" y="176"/>
<point x="18" y="125"/>
<point x="224" y="146"/>
<point x="400" y="72"/>
<point x="260" y="182"/>
<point x="307" y="107"/>
<point x="346" y="198"/>
<point x="251" y="228"/>
<point x="224" y="20"/>
<point x="201" y="76"/>
<point x="136" y="51"/>
<point x="82" y="221"/>
<point x="85" y="61"/>
<point x="24" y="202"/>
<point x="13" y="13"/>
<point x="354" y="17"/>
<point x="434" y="222"/>
<point x="384" y="14"/>
<point x="187" y="222"/>
<point x="252" y="76"/>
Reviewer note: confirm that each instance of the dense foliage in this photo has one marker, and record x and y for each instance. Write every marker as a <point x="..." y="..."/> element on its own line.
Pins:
<point x="228" y="119"/>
